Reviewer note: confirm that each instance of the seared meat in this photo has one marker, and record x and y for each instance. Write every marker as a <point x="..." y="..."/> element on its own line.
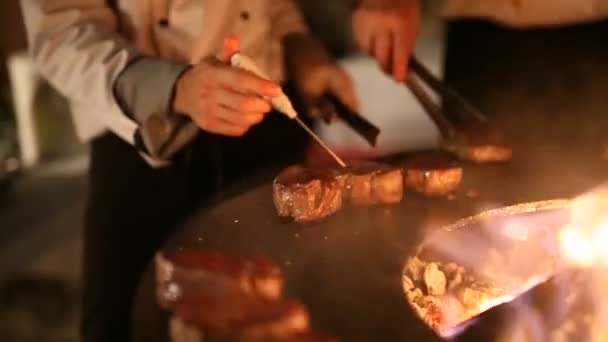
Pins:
<point x="188" y="272"/>
<point x="371" y="183"/>
<point x="308" y="336"/>
<point x="311" y="194"/>
<point x="277" y="320"/>
<point x="243" y="318"/>
<point x="184" y="332"/>
<point x="480" y="144"/>
<point x="358" y="186"/>
<point x="306" y="194"/>
<point x="180" y="331"/>
<point x="435" y="174"/>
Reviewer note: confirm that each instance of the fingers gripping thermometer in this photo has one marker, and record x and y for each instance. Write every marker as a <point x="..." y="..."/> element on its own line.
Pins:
<point x="281" y="103"/>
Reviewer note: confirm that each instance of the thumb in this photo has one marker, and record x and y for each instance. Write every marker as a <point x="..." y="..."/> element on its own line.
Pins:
<point x="231" y="46"/>
<point x="342" y="86"/>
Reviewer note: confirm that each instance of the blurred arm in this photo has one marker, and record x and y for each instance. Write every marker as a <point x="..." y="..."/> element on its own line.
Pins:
<point x="78" y="49"/>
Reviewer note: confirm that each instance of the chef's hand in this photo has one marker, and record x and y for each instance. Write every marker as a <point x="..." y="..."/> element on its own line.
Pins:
<point x="387" y="29"/>
<point x="315" y="73"/>
<point x="222" y="99"/>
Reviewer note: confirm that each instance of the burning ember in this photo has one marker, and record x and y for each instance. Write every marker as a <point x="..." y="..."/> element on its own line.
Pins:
<point x="510" y="255"/>
<point x="447" y="296"/>
<point x="583" y="245"/>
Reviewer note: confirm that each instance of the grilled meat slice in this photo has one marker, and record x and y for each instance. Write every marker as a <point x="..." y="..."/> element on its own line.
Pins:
<point x="274" y="321"/>
<point x="479" y="144"/>
<point x="188" y="272"/>
<point x="185" y="332"/>
<point x="306" y="194"/>
<point x="311" y="194"/>
<point x="308" y="336"/>
<point x="372" y="183"/>
<point x="432" y="174"/>
<point x="387" y="185"/>
<point x="243" y="318"/>
<point x="358" y="185"/>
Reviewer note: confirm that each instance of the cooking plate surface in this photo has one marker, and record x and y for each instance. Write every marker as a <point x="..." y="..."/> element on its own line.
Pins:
<point x="347" y="268"/>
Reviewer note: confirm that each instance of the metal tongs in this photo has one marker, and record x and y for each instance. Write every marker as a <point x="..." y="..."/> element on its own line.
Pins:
<point x="419" y="74"/>
<point x="330" y="106"/>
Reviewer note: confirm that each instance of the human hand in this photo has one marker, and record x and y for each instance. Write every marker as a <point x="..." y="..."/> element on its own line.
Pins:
<point x="222" y="99"/>
<point x="386" y="30"/>
<point x="316" y="74"/>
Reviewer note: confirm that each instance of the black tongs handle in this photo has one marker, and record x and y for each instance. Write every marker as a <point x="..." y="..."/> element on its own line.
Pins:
<point x="446" y="92"/>
<point x="445" y="127"/>
<point x="354" y="120"/>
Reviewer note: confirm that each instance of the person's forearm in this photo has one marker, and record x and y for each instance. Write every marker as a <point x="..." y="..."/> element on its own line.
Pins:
<point x="78" y="50"/>
<point x="145" y="91"/>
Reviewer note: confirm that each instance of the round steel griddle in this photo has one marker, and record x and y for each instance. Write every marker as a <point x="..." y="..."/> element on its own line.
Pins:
<point x="347" y="268"/>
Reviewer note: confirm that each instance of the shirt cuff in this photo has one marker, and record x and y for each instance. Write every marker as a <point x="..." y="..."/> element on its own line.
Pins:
<point x="145" y="91"/>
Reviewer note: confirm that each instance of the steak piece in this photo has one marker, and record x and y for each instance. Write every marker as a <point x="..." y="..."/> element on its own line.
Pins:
<point x="306" y="194"/>
<point x="181" y="331"/>
<point x="274" y="321"/>
<point x="371" y="183"/>
<point x="432" y="174"/>
<point x="479" y="144"/>
<point x="308" y="336"/>
<point x="188" y="272"/>
<point x="311" y="194"/>
<point x="243" y="318"/>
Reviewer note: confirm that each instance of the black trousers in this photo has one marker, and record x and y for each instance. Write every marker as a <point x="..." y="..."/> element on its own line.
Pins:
<point x="133" y="208"/>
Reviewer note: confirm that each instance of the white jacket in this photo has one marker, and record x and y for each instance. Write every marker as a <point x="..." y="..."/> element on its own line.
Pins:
<point x="528" y="13"/>
<point x="84" y="46"/>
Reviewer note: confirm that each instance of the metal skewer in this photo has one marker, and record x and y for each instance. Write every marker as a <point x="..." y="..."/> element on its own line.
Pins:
<point x="184" y="124"/>
<point x="320" y="142"/>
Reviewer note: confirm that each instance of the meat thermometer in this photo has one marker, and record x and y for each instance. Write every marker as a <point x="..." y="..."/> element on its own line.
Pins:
<point x="281" y="103"/>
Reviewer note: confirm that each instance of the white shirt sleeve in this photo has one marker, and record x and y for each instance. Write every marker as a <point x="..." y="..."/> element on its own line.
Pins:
<point x="76" y="47"/>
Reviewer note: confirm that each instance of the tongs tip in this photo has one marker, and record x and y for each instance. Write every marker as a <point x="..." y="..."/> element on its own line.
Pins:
<point x="354" y="120"/>
<point x="467" y="111"/>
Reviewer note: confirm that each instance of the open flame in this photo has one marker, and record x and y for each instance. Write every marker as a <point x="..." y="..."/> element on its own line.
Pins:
<point x="578" y="248"/>
<point x="578" y="244"/>
<point x="583" y="244"/>
<point x="582" y="247"/>
<point x="458" y="327"/>
<point x="584" y="241"/>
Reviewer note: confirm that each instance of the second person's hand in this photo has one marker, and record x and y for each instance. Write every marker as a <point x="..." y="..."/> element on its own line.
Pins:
<point x="222" y="99"/>
<point x="386" y="30"/>
<point x="316" y="74"/>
